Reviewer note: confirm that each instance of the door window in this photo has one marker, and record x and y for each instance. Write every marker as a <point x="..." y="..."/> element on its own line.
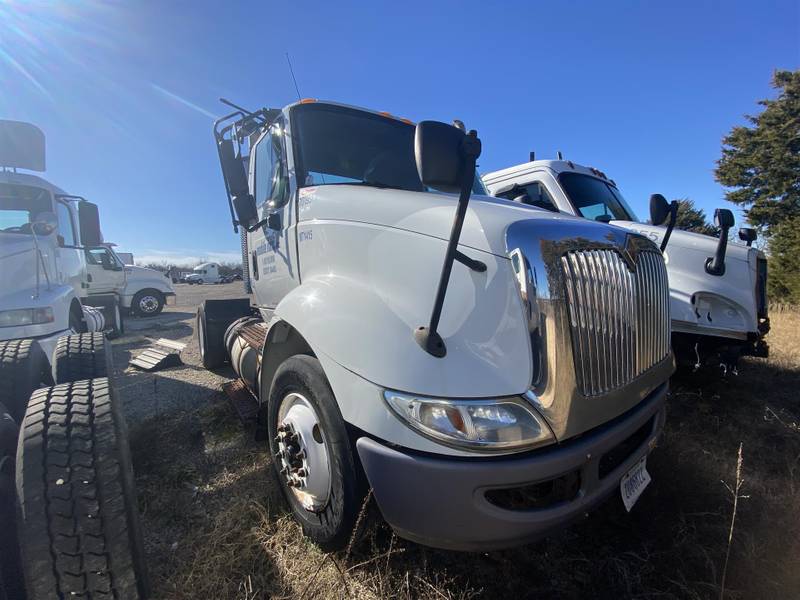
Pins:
<point x="100" y="257"/>
<point x="271" y="179"/>
<point x="537" y="193"/>
<point x="66" y="227"/>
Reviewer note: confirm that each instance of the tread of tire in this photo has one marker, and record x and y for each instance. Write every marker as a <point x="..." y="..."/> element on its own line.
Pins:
<point x="81" y="356"/>
<point x="17" y="382"/>
<point x="78" y="525"/>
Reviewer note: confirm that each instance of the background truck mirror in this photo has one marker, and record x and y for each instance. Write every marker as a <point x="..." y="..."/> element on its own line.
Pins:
<point x="89" y="219"/>
<point x="440" y="159"/>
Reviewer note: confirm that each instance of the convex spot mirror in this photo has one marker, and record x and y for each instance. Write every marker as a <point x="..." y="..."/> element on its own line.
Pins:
<point x="659" y="209"/>
<point x="748" y="234"/>
<point x="440" y="157"/>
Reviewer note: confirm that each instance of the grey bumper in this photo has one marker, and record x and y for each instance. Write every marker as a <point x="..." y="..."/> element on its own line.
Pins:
<point x="441" y="502"/>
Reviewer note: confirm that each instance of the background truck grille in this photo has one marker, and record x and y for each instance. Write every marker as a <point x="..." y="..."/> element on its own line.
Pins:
<point x="619" y="318"/>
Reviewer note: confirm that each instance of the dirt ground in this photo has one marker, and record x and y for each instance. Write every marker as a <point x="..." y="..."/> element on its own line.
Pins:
<point x="216" y="527"/>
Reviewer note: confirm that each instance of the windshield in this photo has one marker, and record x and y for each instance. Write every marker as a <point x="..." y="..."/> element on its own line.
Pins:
<point x="20" y="205"/>
<point x="339" y="145"/>
<point x="595" y="199"/>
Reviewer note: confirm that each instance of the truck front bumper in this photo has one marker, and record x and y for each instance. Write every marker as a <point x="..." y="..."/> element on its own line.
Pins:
<point x="488" y="503"/>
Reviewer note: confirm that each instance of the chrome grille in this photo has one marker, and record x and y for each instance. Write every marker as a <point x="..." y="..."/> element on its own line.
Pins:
<point x="619" y="318"/>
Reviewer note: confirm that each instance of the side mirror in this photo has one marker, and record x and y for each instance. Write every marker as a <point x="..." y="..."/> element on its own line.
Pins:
<point x="44" y="224"/>
<point x="723" y="218"/>
<point x="523" y="198"/>
<point x="440" y="153"/>
<point x="236" y="181"/>
<point x="748" y="235"/>
<point x="659" y="209"/>
<point x="89" y="221"/>
<point x="715" y="265"/>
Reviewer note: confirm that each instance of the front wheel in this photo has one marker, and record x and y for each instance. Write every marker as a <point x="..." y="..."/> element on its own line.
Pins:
<point x="312" y="455"/>
<point x="147" y="303"/>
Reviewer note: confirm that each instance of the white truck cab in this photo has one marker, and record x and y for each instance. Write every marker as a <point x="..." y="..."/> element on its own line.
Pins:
<point x="142" y="291"/>
<point x="204" y="273"/>
<point x="444" y="353"/>
<point x="718" y="314"/>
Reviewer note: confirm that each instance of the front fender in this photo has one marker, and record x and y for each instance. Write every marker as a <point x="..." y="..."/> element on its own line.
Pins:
<point x="362" y="300"/>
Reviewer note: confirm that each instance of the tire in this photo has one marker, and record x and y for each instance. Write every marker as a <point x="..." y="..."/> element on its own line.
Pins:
<point x="199" y="282"/>
<point x="117" y="323"/>
<point x="147" y="303"/>
<point x="23" y="368"/>
<point x="78" y="523"/>
<point x="329" y="525"/>
<point x="81" y="356"/>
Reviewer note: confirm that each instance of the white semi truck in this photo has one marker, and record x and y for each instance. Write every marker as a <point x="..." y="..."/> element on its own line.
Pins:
<point x="717" y="290"/>
<point x="489" y="371"/>
<point x="204" y="273"/>
<point x="68" y="515"/>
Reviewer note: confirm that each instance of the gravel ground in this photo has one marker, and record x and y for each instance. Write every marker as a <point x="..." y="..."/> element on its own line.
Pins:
<point x="178" y="388"/>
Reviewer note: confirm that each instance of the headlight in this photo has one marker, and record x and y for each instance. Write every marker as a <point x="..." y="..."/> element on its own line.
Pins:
<point x="26" y="316"/>
<point x="509" y="424"/>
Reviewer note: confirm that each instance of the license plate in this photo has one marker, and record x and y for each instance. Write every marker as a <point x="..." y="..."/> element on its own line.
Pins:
<point x="633" y="483"/>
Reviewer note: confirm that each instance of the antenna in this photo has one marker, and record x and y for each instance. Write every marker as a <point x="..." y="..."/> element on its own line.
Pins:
<point x="296" y="89"/>
<point x="531" y="156"/>
<point x="560" y="156"/>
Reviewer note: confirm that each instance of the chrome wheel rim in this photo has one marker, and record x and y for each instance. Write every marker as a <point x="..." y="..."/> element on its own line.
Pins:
<point x="148" y="303"/>
<point x="302" y="455"/>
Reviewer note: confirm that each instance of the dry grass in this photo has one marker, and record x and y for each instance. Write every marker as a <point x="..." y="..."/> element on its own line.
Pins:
<point x="216" y="528"/>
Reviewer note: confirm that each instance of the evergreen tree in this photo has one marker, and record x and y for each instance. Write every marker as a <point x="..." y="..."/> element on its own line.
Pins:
<point x="691" y="218"/>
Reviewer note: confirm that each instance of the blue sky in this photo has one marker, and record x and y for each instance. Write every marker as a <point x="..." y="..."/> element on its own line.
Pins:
<point x="125" y="91"/>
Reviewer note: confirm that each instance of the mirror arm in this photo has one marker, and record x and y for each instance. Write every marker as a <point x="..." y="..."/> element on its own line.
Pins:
<point x="716" y="265"/>
<point x="428" y="337"/>
<point x="470" y="263"/>
<point x="673" y="218"/>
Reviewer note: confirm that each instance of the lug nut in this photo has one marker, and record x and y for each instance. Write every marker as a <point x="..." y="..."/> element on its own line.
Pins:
<point x="301" y="473"/>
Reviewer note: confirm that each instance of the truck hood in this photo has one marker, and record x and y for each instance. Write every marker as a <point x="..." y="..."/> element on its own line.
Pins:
<point x="687" y="240"/>
<point x="18" y="263"/>
<point x="421" y="212"/>
<point x="143" y="274"/>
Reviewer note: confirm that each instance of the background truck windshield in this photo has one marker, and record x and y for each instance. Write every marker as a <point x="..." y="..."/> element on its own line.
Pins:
<point x="340" y="145"/>
<point x="19" y="205"/>
<point x="595" y="199"/>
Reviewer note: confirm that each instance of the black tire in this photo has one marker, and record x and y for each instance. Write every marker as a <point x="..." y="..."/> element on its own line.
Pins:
<point x="147" y="303"/>
<point x="78" y="523"/>
<point x="81" y="356"/>
<point x="23" y="368"/>
<point x="331" y="527"/>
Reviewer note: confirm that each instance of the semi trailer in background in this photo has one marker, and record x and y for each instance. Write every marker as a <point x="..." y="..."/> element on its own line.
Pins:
<point x="718" y="301"/>
<point x="445" y="353"/>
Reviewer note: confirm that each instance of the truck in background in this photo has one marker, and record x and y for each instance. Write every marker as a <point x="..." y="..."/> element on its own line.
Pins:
<point x="68" y="512"/>
<point x="442" y="352"/>
<point x="717" y="290"/>
<point x="204" y="273"/>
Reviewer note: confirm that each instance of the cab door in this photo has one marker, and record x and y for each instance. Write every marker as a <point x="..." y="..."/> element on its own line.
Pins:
<point x="106" y="273"/>
<point x="272" y="250"/>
